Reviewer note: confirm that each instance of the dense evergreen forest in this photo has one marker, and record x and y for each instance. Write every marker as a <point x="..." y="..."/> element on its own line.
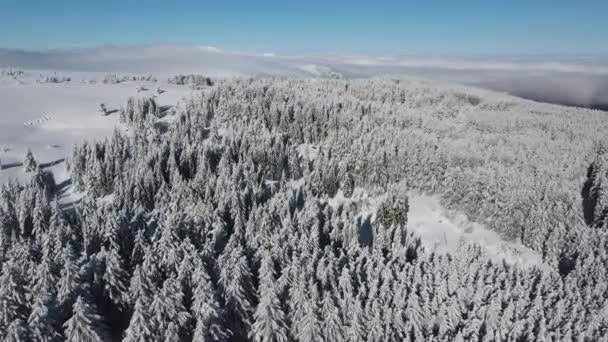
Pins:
<point x="214" y="221"/>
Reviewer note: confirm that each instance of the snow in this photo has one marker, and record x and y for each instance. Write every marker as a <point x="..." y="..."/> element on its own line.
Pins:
<point x="446" y="230"/>
<point x="367" y="204"/>
<point x="440" y="229"/>
<point x="307" y="152"/>
<point x="49" y="118"/>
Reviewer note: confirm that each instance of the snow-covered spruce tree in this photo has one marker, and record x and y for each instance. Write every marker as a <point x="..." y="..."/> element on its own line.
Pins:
<point x="269" y="319"/>
<point x="68" y="286"/>
<point x="311" y="325"/>
<point x="208" y="313"/>
<point x="141" y="327"/>
<point x="44" y="320"/>
<point x="13" y="301"/>
<point x="169" y="314"/>
<point x="103" y="109"/>
<point x="17" y="332"/>
<point x="333" y="327"/>
<point x="236" y="281"/>
<point x="85" y="324"/>
<point x="29" y="162"/>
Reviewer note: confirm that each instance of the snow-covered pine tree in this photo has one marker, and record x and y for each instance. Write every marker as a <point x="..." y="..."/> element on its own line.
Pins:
<point x="85" y="325"/>
<point x="29" y="162"/>
<point x="13" y="301"/>
<point x="141" y="326"/>
<point x="269" y="323"/>
<point x="237" y="286"/>
<point x="169" y="314"/>
<point x="310" y="329"/>
<point x="17" y="332"/>
<point x="68" y="286"/>
<point x="207" y="311"/>
<point x="44" y="323"/>
<point x="333" y="327"/>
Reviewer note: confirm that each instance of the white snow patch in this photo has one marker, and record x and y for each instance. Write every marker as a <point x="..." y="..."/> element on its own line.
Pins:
<point x="107" y="199"/>
<point x="445" y="230"/>
<point x="366" y="204"/>
<point x="307" y="151"/>
<point x="440" y="229"/>
<point x="296" y="184"/>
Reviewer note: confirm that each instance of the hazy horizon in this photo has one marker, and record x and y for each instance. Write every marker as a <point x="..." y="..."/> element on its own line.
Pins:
<point x="567" y="80"/>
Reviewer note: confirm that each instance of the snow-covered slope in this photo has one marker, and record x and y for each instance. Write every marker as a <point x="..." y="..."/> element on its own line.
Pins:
<point x="49" y="118"/>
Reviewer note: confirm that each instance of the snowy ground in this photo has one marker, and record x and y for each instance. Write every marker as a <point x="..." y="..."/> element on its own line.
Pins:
<point x="443" y="230"/>
<point x="49" y="118"/>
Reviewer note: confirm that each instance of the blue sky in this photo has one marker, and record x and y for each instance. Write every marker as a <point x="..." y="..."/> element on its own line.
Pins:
<point x="511" y="27"/>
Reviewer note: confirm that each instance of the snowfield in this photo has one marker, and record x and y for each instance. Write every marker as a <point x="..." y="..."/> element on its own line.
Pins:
<point x="49" y="118"/>
<point x="440" y="229"/>
<point x="447" y="230"/>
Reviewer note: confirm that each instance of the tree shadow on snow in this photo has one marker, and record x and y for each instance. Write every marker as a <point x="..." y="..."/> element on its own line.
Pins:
<point x="164" y="109"/>
<point x="10" y="165"/>
<point x="364" y="230"/>
<point x="63" y="187"/>
<point x="53" y="163"/>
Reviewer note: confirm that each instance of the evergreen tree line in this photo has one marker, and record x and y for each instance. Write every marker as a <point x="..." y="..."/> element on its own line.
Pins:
<point x="117" y="78"/>
<point x="195" y="81"/>
<point x="219" y="227"/>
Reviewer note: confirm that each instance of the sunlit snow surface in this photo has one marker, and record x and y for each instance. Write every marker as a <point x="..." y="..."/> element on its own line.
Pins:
<point x="443" y="230"/>
<point x="49" y="118"/>
<point x="447" y="230"/>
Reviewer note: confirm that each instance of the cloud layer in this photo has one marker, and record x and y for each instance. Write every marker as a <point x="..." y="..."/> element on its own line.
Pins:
<point x="578" y="80"/>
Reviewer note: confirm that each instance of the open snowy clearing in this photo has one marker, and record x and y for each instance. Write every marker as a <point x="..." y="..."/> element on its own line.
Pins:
<point x="447" y="230"/>
<point x="48" y="118"/>
<point x="440" y="229"/>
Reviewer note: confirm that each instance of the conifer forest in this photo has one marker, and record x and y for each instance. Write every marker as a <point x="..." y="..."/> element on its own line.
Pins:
<point x="276" y="210"/>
